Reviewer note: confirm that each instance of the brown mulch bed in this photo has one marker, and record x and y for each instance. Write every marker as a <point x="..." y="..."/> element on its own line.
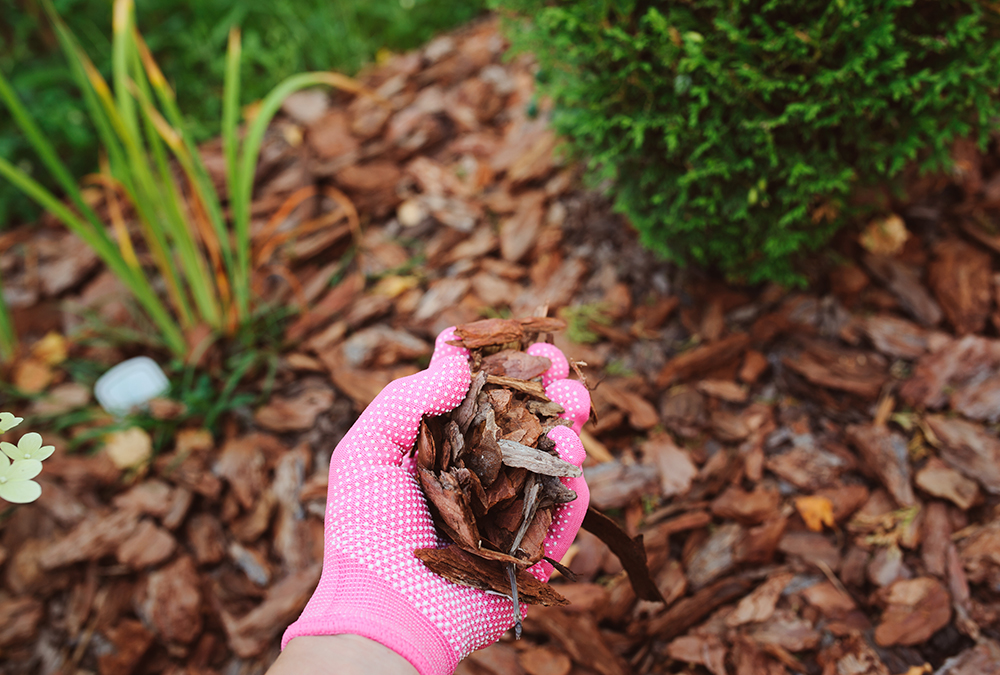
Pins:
<point x="815" y="473"/>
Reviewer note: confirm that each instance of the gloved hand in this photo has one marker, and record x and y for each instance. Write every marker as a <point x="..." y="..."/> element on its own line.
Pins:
<point x="376" y="515"/>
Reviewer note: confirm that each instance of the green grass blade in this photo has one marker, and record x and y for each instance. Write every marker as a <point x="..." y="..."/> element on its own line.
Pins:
<point x="189" y="157"/>
<point x="121" y="29"/>
<point x="99" y="241"/>
<point x="200" y="283"/>
<point x="243" y="364"/>
<point x="148" y="196"/>
<point x="240" y="197"/>
<point x="148" y="201"/>
<point x="8" y="337"/>
<point x="240" y="208"/>
<point x="128" y="163"/>
<point x="96" y="95"/>
<point x="91" y="229"/>
<point x="40" y="144"/>
<point x="231" y="107"/>
<point x="188" y="154"/>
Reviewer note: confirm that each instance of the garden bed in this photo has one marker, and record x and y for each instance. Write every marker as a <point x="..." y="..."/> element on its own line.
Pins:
<point x="815" y="473"/>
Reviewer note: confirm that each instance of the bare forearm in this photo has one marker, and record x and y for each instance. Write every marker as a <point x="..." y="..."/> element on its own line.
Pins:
<point x="341" y="654"/>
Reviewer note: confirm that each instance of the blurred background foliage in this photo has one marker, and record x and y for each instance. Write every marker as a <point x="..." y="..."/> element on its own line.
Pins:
<point x="188" y="38"/>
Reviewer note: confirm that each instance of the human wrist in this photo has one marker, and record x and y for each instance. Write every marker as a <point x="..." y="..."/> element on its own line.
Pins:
<point x="351" y="599"/>
<point x="343" y="654"/>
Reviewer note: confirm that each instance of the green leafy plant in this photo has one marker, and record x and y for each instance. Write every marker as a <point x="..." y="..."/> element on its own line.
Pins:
<point x="580" y="320"/>
<point x="201" y="401"/>
<point x="20" y="463"/>
<point x="735" y="131"/>
<point x="202" y="257"/>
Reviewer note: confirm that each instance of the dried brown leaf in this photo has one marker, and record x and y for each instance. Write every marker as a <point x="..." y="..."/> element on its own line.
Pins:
<point x="815" y="511"/>
<point x="885" y="236"/>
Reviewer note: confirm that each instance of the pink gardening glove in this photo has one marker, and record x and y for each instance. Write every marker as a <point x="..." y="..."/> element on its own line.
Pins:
<point x="376" y="515"/>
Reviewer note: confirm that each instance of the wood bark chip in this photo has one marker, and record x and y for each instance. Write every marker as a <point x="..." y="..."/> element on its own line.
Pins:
<point x="524" y="387"/>
<point x="630" y="551"/>
<point x="426" y="452"/>
<point x="515" y="364"/>
<point x="491" y="474"/>
<point x="903" y="281"/>
<point x="692" y="609"/>
<point x="897" y="337"/>
<point x="885" y="453"/>
<point x="970" y="449"/>
<point x="960" y="277"/>
<point x="826" y="365"/>
<point x="467" y="569"/>
<point x="453" y="509"/>
<point x="494" y="332"/>
<point x="703" y="359"/>
<point x="518" y="455"/>
<point x="915" y="610"/>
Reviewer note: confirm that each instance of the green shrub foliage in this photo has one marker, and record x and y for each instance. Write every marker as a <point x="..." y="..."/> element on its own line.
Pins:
<point x="735" y="130"/>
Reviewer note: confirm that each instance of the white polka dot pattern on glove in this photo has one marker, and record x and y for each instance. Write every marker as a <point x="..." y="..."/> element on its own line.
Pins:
<point x="559" y="370"/>
<point x="376" y="516"/>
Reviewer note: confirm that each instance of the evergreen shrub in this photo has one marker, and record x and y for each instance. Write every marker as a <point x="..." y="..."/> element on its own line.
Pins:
<point x="736" y="130"/>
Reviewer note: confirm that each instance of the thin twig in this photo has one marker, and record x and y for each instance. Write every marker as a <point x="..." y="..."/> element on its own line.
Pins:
<point x="528" y="512"/>
<point x="517" y="606"/>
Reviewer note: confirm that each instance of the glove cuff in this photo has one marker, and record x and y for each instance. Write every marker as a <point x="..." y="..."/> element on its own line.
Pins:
<point x="352" y="600"/>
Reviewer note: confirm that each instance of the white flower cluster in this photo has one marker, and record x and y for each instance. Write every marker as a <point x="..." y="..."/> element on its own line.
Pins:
<point x="20" y="463"/>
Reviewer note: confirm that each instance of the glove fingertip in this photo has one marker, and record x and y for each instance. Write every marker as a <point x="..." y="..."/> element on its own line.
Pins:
<point x="574" y="398"/>
<point x="568" y="445"/>
<point x="443" y="350"/>
<point x="560" y="366"/>
<point x="449" y="379"/>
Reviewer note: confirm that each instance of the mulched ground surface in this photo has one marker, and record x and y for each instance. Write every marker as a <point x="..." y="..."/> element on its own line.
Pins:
<point x="815" y="472"/>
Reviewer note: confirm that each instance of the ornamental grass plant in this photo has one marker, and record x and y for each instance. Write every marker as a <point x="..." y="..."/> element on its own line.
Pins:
<point x="279" y="38"/>
<point x="201" y="256"/>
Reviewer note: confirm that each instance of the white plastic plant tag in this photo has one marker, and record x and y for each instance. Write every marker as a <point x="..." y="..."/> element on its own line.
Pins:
<point x="129" y="384"/>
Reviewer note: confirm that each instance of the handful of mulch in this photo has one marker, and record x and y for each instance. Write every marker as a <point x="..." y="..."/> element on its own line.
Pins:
<point x="491" y="474"/>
